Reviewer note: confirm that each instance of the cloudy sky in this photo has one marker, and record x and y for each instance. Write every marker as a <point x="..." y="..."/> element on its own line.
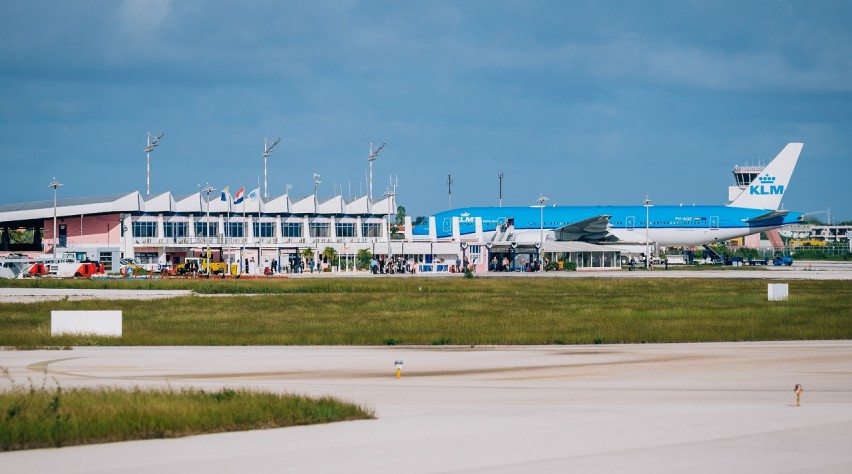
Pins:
<point x="585" y="102"/>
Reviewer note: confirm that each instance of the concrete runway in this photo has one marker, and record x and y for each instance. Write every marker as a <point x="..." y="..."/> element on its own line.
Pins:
<point x="622" y="408"/>
<point x="705" y="408"/>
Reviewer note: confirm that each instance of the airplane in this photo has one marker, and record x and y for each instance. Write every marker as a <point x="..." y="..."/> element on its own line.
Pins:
<point x="756" y="209"/>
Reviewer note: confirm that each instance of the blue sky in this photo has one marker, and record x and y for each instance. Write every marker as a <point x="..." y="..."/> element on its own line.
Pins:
<point x="585" y="102"/>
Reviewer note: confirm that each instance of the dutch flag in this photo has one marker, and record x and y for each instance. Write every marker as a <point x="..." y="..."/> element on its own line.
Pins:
<point x="238" y="198"/>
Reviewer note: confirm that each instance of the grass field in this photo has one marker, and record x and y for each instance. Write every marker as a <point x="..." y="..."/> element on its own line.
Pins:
<point x="364" y="311"/>
<point x="45" y="416"/>
<point x="379" y="311"/>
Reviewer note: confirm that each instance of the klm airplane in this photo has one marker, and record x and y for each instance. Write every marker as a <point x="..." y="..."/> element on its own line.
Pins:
<point x="756" y="209"/>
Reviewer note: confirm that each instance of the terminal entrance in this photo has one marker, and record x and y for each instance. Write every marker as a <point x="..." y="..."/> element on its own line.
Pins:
<point x="505" y="258"/>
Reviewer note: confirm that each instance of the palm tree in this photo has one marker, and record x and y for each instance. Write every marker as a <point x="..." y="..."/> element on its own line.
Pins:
<point x="329" y="255"/>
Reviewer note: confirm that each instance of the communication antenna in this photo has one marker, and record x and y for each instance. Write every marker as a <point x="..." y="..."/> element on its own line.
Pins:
<point x="148" y="149"/>
<point x="371" y="159"/>
<point x="267" y="150"/>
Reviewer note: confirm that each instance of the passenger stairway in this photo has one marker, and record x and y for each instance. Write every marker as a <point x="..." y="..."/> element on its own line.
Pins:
<point x="775" y="239"/>
<point x="713" y="254"/>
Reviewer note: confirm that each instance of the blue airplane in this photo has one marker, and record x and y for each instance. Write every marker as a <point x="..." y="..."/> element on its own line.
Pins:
<point x="756" y="209"/>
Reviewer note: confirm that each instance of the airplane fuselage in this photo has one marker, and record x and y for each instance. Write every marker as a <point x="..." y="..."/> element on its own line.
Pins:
<point x="665" y="225"/>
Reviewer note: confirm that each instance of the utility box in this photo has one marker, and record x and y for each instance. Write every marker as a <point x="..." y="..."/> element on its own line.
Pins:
<point x="94" y="323"/>
<point x="778" y="292"/>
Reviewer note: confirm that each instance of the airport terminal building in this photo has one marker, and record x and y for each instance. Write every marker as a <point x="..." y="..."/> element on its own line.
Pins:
<point x="165" y="229"/>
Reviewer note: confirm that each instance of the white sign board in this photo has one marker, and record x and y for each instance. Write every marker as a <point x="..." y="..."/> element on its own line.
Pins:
<point x="97" y="323"/>
<point x="778" y="292"/>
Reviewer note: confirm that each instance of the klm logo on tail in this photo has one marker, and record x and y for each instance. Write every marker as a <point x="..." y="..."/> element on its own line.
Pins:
<point x="766" y="187"/>
<point x="767" y="190"/>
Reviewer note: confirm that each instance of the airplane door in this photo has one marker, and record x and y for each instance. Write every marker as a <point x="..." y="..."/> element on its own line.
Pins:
<point x="714" y="222"/>
<point x="448" y="225"/>
<point x="630" y="222"/>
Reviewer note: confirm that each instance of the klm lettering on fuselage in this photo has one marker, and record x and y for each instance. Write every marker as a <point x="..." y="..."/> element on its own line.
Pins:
<point x="766" y="186"/>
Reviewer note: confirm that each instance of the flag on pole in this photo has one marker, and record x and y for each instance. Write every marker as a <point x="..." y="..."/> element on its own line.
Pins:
<point x="238" y="198"/>
<point x="225" y="194"/>
<point x="254" y="194"/>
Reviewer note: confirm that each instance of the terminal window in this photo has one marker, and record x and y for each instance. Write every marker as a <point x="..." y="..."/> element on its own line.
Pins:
<point x="344" y="229"/>
<point x="291" y="229"/>
<point x="235" y="229"/>
<point x="144" y="229"/>
<point x="175" y="230"/>
<point x="201" y="229"/>
<point x="371" y="229"/>
<point x="264" y="229"/>
<point x="319" y="229"/>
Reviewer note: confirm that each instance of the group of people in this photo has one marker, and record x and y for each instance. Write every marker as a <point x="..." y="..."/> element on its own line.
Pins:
<point x="504" y="265"/>
<point x="392" y="265"/>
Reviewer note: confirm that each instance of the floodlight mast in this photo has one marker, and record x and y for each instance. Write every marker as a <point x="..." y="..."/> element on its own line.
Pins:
<point x="54" y="184"/>
<point x="208" y="189"/>
<point x="148" y="149"/>
<point x="373" y="155"/>
<point x="647" y="228"/>
<point x="267" y="150"/>
<point x="316" y="190"/>
<point x="541" y="200"/>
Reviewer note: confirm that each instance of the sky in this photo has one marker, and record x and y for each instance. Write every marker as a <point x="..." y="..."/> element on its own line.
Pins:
<point x="584" y="102"/>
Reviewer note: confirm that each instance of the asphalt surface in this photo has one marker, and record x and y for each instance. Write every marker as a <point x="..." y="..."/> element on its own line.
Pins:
<point x="624" y="408"/>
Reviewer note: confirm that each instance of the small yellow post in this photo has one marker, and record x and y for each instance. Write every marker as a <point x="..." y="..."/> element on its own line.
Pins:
<point x="798" y="389"/>
<point x="398" y="372"/>
<point x="398" y="365"/>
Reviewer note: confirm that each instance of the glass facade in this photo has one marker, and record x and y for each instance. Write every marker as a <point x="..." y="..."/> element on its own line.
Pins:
<point x="264" y="229"/>
<point x="371" y="229"/>
<point x="319" y="229"/>
<point x="344" y="229"/>
<point x="175" y="230"/>
<point x="201" y="229"/>
<point x="291" y="229"/>
<point x="144" y="229"/>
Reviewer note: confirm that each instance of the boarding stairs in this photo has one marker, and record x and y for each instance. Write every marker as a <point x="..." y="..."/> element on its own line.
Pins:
<point x="775" y="239"/>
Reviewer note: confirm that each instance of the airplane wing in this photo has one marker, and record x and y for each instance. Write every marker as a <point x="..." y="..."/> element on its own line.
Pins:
<point x="593" y="229"/>
<point x="767" y="217"/>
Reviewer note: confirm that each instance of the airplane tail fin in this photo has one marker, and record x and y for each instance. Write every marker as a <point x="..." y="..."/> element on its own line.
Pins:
<point x="767" y="189"/>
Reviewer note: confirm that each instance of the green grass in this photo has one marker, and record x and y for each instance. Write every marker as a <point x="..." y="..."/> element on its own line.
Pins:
<point x="389" y="311"/>
<point x="40" y="417"/>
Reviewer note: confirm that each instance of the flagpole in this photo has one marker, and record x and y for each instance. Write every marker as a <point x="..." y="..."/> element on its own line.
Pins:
<point x="258" y="223"/>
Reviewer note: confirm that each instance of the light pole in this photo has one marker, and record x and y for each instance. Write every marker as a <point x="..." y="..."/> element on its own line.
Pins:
<point x="148" y="150"/>
<point x="208" y="189"/>
<point x="267" y="150"/>
<point x="647" y="228"/>
<point x="54" y="184"/>
<point x="541" y="200"/>
<point x="373" y="155"/>
<point x="390" y="195"/>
